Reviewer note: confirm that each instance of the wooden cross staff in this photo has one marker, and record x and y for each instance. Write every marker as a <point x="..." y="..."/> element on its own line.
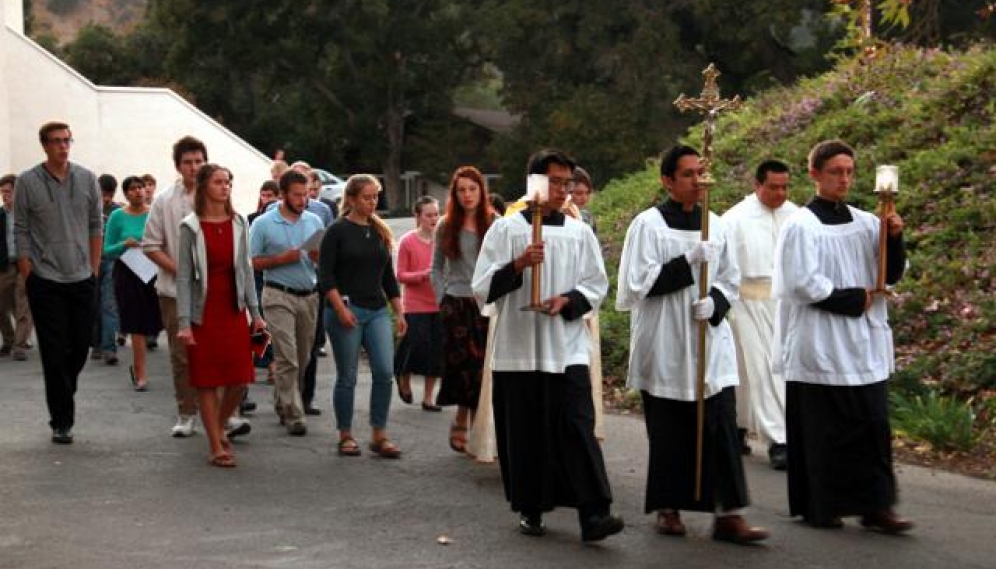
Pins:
<point x="709" y="104"/>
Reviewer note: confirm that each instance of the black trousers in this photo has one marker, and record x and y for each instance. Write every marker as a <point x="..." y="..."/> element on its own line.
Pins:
<point x="671" y="428"/>
<point x="64" y="315"/>
<point x="840" y="450"/>
<point x="547" y="451"/>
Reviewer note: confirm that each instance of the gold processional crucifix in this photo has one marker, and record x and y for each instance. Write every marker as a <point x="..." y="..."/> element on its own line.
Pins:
<point x="709" y="104"/>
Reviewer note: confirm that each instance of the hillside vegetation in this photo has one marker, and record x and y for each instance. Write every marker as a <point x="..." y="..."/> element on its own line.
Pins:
<point x="931" y="113"/>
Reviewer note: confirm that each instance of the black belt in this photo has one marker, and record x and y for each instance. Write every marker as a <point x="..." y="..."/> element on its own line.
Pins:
<point x="289" y="290"/>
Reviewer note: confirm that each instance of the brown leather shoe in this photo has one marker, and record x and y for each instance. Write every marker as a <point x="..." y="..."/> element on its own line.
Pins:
<point x="734" y="529"/>
<point x="669" y="523"/>
<point x="886" y="521"/>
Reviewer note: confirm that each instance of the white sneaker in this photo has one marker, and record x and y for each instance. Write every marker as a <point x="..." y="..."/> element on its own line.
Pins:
<point x="184" y="426"/>
<point x="236" y="427"/>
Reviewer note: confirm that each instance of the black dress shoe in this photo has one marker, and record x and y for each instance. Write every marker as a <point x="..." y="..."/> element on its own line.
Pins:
<point x="601" y="528"/>
<point x="532" y="524"/>
<point x="744" y="447"/>
<point x="62" y="436"/>
<point x="247" y="406"/>
<point x="312" y="410"/>
<point x="778" y="456"/>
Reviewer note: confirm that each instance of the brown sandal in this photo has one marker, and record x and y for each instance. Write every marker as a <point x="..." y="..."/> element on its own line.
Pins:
<point x="385" y="448"/>
<point x="348" y="447"/>
<point x="458" y="441"/>
<point x="222" y="460"/>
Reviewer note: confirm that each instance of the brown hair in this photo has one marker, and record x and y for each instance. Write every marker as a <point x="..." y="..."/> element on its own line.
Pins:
<point x="185" y="145"/>
<point x="148" y="178"/>
<point x="455" y="214"/>
<point x="8" y="179"/>
<point x="51" y="126"/>
<point x="826" y="150"/>
<point x="422" y="202"/>
<point x="200" y="192"/>
<point x="355" y="185"/>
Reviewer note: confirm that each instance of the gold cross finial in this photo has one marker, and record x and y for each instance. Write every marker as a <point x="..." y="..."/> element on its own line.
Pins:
<point x="709" y="101"/>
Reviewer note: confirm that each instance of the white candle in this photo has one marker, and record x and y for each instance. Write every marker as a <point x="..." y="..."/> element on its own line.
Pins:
<point x="538" y="188"/>
<point x="887" y="179"/>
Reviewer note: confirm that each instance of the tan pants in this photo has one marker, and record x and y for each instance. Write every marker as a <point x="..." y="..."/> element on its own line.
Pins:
<point x="186" y="396"/>
<point x="290" y="319"/>
<point x="14" y="305"/>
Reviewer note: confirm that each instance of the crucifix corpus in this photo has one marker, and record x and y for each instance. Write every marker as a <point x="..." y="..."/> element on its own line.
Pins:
<point x="710" y="105"/>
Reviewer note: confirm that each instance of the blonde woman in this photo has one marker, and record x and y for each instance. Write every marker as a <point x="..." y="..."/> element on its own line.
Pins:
<point x="357" y="280"/>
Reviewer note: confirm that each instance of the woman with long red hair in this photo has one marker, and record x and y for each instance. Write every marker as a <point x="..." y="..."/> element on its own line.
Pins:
<point x="458" y="241"/>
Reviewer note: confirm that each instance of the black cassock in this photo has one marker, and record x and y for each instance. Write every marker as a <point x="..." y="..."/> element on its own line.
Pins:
<point x="545" y="426"/>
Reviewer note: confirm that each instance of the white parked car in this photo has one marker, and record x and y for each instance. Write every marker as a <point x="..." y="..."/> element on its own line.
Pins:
<point x="332" y="185"/>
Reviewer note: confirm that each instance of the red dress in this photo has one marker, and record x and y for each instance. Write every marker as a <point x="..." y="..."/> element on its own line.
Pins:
<point x="222" y="353"/>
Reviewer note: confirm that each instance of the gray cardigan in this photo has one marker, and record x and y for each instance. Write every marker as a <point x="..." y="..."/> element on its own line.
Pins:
<point x="192" y="271"/>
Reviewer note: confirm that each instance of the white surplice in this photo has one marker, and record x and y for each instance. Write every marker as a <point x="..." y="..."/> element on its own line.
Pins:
<point x="663" y="334"/>
<point x="813" y="345"/>
<point x="532" y="341"/>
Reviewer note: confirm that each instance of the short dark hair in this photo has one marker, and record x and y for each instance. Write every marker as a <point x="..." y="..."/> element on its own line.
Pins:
<point x="539" y="163"/>
<point x="185" y="145"/>
<point x="421" y="202"/>
<point x="270" y="186"/>
<point x="774" y="166"/>
<point x="291" y="177"/>
<point x="107" y="183"/>
<point x="669" y="161"/>
<point x="824" y="151"/>
<point x="50" y="126"/>
<point x="131" y="180"/>
<point x="8" y="179"/>
<point x="497" y="204"/>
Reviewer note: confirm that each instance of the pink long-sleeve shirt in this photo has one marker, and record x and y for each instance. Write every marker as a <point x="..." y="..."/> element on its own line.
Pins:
<point x="414" y="267"/>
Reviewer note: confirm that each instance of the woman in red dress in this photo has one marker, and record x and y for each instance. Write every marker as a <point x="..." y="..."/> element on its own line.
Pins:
<point x="214" y="289"/>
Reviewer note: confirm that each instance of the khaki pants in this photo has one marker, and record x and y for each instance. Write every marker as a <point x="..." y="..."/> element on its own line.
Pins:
<point x="14" y="304"/>
<point x="290" y="319"/>
<point x="186" y="396"/>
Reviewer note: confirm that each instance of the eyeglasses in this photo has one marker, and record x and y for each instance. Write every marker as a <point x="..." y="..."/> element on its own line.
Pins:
<point x="60" y="141"/>
<point x="565" y="183"/>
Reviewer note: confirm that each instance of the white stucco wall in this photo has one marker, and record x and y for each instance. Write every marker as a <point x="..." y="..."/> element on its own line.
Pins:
<point x="118" y="130"/>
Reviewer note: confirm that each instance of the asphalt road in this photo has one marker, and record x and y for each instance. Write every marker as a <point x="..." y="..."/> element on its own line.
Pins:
<point x="127" y="495"/>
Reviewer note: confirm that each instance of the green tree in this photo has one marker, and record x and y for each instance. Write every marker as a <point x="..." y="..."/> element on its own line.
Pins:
<point x="599" y="79"/>
<point x="336" y="82"/>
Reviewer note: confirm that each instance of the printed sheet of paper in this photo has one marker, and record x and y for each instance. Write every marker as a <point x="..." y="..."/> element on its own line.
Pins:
<point x="314" y="242"/>
<point x="140" y="264"/>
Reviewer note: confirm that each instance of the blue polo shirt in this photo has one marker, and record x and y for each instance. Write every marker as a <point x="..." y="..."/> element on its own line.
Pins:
<point x="316" y="207"/>
<point x="271" y="234"/>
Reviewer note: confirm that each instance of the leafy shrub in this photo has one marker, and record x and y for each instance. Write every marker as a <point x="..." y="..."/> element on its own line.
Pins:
<point x="930" y="112"/>
<point x="942" y="421"/>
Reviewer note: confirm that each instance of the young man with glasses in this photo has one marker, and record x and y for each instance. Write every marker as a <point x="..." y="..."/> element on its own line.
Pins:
<point x="544" y="418"/>
<point x="58" y="232"/>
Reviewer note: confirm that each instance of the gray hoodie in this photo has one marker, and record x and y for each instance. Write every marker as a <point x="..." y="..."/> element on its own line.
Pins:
<point x="192" y="271"/>
<point x="54" y="221"/>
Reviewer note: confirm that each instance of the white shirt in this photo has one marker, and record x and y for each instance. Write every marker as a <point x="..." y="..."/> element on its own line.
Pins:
<point x="663" y="334"/>
<point x="752" y="229"/>
<point x="532" y="341"/>
<point x="812" y="345"/>
<point x="162" y="230"/>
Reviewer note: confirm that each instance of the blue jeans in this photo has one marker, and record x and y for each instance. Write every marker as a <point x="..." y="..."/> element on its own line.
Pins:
<point x="106" y="324"/>
<point x="373" y="332"/>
